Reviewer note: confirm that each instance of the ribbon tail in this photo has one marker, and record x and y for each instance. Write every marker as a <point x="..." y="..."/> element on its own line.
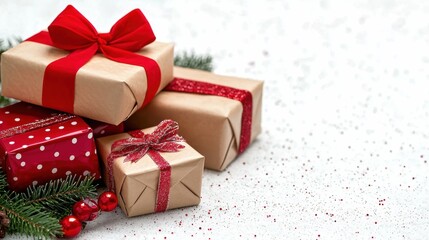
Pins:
<point x="163" y="192"/>
<point x="59" y="79"/>
<point x="153" y="72"/>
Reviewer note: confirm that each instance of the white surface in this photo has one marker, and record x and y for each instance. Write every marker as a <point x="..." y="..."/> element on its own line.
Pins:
<point x="345" y="145"/>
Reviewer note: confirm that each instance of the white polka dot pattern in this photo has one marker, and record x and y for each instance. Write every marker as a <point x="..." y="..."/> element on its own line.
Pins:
<point x="34" y="159"/>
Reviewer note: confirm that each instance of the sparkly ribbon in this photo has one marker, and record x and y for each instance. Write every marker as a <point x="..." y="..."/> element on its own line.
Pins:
<point x="71" y="31"/>
<point x="244" y="96"/>
<point x="163" y="139"/>
<point x="35" y="125"/>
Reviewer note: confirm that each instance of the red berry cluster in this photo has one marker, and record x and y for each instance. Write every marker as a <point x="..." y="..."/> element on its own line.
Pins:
<point x="87" y="210"/>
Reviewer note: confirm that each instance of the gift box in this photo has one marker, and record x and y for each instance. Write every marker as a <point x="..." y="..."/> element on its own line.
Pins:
<point x="74" y="69"/>
<point x="219" y="116"/>
<point x="101" y="129"/>
<point x="38" y="145"/>
<point x="164" y="176"/>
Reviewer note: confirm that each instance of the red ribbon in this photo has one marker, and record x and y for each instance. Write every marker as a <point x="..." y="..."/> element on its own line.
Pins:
<point x="244" y="96"/>
<point x="163" y="139"/>
<point x="71" y="31"/>
<point x="57" y="118"/>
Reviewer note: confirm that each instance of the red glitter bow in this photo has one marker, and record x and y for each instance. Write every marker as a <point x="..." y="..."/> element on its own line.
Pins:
<point x="71" y="31"/>
<point x="163" y="139"/>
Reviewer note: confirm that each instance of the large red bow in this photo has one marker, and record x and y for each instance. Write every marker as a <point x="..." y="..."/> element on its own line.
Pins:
<point x="163" y="139"/>
<point x="71" y="31"/>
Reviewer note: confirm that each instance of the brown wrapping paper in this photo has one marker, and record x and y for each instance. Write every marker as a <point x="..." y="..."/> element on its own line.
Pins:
<point x="136" y="183"/>
<point x="105" y="90"/>
<point x="211" y="124"/>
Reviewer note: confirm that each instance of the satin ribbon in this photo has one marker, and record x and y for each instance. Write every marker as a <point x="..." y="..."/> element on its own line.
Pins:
<point x="163" y="139"/>
<point x="71" y="31"/>
<point x="243" y="96"/>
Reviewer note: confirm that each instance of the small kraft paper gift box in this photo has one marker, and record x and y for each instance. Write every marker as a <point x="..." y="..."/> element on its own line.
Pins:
<point x="38" y="145"/>
<point x="152" y="170"/>
<point x="218" y="115"/>
<point x="101" y="76"/>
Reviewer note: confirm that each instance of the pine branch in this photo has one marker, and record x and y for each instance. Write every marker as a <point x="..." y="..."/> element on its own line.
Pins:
<point x="28" y="219"/>
<point x="202" y="62"/>
<point x="59" y="196"/>
<point x="25" y="219"/>
<point x="3" y="183"/>
<point x="5" y="45"/>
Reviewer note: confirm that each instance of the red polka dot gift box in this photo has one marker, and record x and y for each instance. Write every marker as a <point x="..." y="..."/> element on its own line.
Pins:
<point x="38" y="145"/>
<point x="101" y="129"/>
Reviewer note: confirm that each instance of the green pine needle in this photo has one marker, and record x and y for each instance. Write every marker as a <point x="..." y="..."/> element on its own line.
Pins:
<point x="58" y="196"/>
<point x="202" y="62"/>
<point x="5" y="45"/>
<point x="29" y="220"/>
<point x="37" y="212"/>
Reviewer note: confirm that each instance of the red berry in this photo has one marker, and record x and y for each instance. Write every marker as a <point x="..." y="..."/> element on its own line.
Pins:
<point x="81" y="211"/>
<point x="71" y="226"/>
<point x="107" y="201"/>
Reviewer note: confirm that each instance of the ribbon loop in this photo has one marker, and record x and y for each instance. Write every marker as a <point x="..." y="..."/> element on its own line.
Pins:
<point x="71" y="31"/>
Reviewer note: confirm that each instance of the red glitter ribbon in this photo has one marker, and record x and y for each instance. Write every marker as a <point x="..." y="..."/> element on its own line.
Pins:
<point x="71" y="31"/>
<point x="163" y="139"/>
<point x="35" y="125"/>
<point x="244" y="96"/>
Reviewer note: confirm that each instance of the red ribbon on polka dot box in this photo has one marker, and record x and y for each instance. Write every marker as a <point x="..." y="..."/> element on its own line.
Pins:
<point x="38" y="145"/>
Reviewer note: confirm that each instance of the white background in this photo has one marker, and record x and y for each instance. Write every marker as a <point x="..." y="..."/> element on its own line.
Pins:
<point x="345" y="145"/>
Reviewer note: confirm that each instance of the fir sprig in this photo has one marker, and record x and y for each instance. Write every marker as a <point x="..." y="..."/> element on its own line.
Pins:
<point x="59" y="195"/>
<point x="5" y="45"/>
<point x="28" y="219"/>
<point x="37" y="212"/>
<point x="202" y="62"/>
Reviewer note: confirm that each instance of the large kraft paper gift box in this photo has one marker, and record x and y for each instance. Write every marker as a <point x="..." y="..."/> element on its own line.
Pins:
<point x="210" y="119"/>
<point x="141" y="183"/>
<point x="72" y="68"/>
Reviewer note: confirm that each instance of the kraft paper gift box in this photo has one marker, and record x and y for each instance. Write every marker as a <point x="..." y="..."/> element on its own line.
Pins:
<point x="211" y="124"/>
<point x="38" y="145"/>
<point x="104" y="90"/>
<point x="137" y="182"/>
